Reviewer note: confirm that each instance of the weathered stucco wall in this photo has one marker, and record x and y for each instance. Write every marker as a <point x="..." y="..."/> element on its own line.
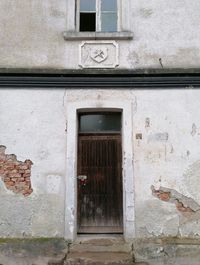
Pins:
<point x="166" y="34"/>
<point x="33" y="127"/>
<point x="166" y="160"/>
<point x="167" y="157"/>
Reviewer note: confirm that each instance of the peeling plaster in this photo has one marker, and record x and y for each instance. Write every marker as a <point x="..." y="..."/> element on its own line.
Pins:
<point x="191" y="177"/>
<point x="15" y="174"/>
<point x="188" y="212"/>
<point x="183" y="203"/>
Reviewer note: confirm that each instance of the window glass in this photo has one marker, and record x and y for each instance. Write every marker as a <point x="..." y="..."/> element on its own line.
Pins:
<point x="108" y="22"/>
<point x="87" y="22"/>
<point x="109" y="5"/>
<point x="100" y="122"/>
<point x="88" y="5"/>
<point x="98" y="15"/>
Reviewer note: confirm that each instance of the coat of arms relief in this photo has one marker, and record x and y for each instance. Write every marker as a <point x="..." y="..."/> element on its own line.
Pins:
<point x="98" y="54"/>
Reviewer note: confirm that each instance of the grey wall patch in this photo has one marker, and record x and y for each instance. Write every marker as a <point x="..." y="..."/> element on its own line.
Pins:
<point x="158" y="137"/>
<point x="194" y="129"/>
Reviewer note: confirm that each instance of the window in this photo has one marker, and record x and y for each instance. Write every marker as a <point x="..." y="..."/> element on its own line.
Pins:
<point x="97" y="15"/>
<point x="98" y="20"/>
<point x="100" y="122"/>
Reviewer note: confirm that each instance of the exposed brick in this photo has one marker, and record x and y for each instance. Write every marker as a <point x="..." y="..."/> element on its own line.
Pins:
<point x="26" y="187"/>
<point x="169" y="197"/>
<point x="28" y="161"/>
<point x="180" y="207"/>
<point x="163" y="196"/>
<point x="8" y="167"/>
<point x="11" y="158"/>
<point x="15" y="174"/>
<point x="27" y="181"/>
<point x="26" y="175"/>
<point x="9" y="183"/>
<point x="2" y="171"/>
<point x="14" y="179"/>
<point x="6" y="179"/>
<point x="14" y="171"/>
<point x="2" y="149"/>
<point x="21" y="171"/>
<point x="26" y="194"/>
<point x="24" y="167"/>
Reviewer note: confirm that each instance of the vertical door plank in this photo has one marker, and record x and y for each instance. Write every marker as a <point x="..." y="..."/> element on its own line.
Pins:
<point x="100" y="196"/>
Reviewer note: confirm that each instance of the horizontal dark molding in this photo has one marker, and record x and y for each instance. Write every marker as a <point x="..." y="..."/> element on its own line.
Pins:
<point x="134" y="81"/>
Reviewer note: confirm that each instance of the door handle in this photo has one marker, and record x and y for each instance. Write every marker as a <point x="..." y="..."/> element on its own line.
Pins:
<point x="82" y="177"/>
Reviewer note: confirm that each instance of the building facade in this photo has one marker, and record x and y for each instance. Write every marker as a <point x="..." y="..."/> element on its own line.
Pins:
<point x="99" y="118"/>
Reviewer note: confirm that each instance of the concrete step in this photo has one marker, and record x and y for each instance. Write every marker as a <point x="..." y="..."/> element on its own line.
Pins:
<point x="99" y="258"/>
<point x="100" y="251"/>
<point x="101" y="246"/>
<point x="58" y="260"/>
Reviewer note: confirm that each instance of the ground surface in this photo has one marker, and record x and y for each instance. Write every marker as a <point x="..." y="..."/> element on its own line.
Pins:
<point x="31" y="252"/>
<point x="98" y="252"/>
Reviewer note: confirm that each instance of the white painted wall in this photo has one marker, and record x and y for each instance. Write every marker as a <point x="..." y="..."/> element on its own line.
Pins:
<point x="33" y="124"/>
<point x="173" y="163"/>
<point x="31" y="34"/>
<point x="33" y="127"/>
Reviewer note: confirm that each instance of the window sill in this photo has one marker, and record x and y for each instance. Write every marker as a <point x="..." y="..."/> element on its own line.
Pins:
<point x="121" y="35"/>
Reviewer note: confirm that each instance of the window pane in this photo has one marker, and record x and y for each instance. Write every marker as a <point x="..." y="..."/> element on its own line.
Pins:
<point x="109" y="5"/>
<point x="87" y="5"/>
<point x="100" y="122"/>
<point x="87" y="22"/>
<point x="108" y="22"/>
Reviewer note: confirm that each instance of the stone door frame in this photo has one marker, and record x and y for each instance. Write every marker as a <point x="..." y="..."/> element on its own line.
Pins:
<point x="73" y="107"/>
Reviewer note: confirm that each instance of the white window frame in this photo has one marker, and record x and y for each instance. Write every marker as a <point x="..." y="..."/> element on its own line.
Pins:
<point x="98" y="15"/>
<point x="124" y="24"/>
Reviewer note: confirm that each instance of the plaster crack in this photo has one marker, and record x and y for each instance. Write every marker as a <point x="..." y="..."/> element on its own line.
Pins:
<point x="183" y="204"/>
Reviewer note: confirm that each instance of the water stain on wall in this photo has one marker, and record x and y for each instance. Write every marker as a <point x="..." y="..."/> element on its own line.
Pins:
<point x="146" y="12"/>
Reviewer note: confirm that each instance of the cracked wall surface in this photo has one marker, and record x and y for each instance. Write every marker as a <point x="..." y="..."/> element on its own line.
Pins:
<point x="164" y="149"/>
<point x="183" y="203"/>
<point x="166" y="158"/>
<point x="36" y="130"/>
<point x="164" y="127"/>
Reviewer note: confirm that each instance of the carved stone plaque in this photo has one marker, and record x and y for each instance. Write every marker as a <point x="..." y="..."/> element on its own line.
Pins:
<point x="93" y="54"/>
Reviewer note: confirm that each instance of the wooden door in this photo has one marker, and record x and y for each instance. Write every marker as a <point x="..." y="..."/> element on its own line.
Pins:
<point x="100" y="195"/>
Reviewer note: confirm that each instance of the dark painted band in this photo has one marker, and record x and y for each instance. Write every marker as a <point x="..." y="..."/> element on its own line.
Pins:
<point x="149" y="81"/>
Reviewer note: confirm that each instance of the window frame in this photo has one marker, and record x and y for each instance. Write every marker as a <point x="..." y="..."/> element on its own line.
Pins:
<point x="98" y="16"/>
<point x="124" y="24"/>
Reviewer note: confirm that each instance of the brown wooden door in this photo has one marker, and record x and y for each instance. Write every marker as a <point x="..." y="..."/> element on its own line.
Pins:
<point x="100" y="195"/>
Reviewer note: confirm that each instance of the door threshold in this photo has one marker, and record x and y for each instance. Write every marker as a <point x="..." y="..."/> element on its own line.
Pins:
<point x="86" y="237"/>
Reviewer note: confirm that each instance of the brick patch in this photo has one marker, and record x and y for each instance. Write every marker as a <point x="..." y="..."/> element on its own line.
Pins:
<point x="163" y="196"/>
<point x="167" y="196"/>
<point x="15" y="174"/>
<point x="181" y="208"/>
